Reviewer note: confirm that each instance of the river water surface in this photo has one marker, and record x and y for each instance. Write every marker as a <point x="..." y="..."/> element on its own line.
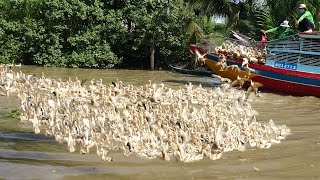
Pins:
<point x="24" y="155"/>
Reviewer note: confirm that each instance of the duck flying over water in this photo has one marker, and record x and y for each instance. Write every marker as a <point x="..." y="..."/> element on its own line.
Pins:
<point x="239" y="82"/>
<point x="254" y="87"/>
<point x="200" y="57"/>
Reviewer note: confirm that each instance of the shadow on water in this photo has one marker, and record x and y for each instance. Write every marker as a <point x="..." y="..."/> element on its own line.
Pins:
<point x="213" y="83"/>
<point x="59" y="159"/>
<point x="27" y="136"/>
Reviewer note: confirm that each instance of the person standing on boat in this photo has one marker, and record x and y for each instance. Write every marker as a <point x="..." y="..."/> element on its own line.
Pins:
<point x="305" y="21"/>
<point x="281" y="31"/>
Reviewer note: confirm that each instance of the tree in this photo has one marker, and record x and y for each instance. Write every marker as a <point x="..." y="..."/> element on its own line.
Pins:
<point x="96" y="33"/>
<point x="75" y="34"/>
<point x="156" y="28"/>
<point x="229" y="9"/>
<point x="18" y="30"/>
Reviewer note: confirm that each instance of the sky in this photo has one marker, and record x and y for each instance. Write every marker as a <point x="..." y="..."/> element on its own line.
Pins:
<point x="218" y="19"/>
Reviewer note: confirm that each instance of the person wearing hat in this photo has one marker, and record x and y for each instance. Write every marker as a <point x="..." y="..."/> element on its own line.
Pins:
<point x="282" y="31"/>
<point x="305" y="22"/>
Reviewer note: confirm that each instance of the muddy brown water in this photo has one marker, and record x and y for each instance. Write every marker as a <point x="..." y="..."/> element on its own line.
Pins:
<point x="24" y="155"/>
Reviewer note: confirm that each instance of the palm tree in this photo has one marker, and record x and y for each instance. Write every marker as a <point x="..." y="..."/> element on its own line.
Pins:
<point x="273" y="12"/>
<point x="233" y="11"/>
<point x="249" y="16"/>
<point x="213" y="7"/>
<point x="195" y="35"/>
<point x="195" y="32"/>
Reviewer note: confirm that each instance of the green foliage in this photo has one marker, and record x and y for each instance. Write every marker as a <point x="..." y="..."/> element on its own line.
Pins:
<point x="74" y="34"/>
<point x="11" y="31"/>
<point x="103" y="34"/>
<point x="195" y="32"/>
<point x="95" y="33"/>
<point x="58" y="33"/>
<point x="14" y="113"/>
<point x="158" y="22"/>
<point x="219" y="28"/>
<point x="248" y="17"/>
<point x="273" y="12"/>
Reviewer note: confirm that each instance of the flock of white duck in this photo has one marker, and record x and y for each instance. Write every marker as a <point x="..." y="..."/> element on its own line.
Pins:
<point x="151" y="121"/>
<point x="251" y="54"/>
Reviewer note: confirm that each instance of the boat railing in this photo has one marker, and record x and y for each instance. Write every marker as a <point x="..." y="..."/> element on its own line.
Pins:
<point x="298" y="49"/>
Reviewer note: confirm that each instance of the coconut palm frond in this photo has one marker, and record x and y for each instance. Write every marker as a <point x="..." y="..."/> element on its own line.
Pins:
<point x="263" y="18"/>
<point x="195" y="31"/>
<point x="314" y="7"/>
<point x="210" y="7"/>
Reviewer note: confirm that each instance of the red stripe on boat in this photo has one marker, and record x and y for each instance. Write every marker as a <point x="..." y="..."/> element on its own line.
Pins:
<point x="287" y="87"/>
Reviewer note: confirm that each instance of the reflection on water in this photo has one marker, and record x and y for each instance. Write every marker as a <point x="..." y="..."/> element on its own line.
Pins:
<point x="24" y="155"/>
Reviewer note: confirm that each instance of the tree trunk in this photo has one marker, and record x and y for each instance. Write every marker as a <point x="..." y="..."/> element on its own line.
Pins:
<point x="193" y="61"/>
<point x="152" y="50"/>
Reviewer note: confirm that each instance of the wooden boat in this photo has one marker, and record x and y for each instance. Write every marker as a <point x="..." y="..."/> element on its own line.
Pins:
<point x="292" y="65"/>
<point x="190" y="71"/>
